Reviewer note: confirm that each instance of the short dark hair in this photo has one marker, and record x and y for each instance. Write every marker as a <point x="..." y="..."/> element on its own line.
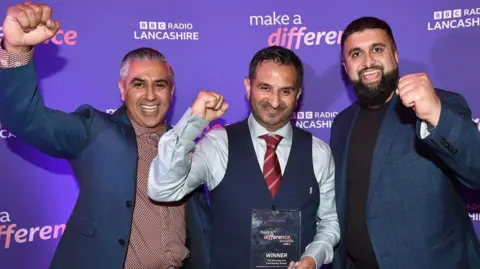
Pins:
<point x="365" y="23"/>
<point x="278" y="55"/>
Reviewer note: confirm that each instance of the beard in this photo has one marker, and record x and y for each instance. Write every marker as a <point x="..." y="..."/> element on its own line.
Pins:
<point x="377" y="93"/>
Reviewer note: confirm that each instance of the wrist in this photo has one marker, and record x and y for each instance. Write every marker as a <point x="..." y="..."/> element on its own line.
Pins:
<point x="199" y="113"/>
<point x="433" y="120"/>
<point x="14" y="49"/>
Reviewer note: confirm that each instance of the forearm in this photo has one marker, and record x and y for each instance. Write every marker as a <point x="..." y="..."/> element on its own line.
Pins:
<point x="326" y="238"/>
<point x="180" y="167"/>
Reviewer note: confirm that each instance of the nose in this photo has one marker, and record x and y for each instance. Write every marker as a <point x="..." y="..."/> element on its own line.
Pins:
<point x="275" y="99"/>
<point x="368" y="60"/>
<point x="150" y="94"/>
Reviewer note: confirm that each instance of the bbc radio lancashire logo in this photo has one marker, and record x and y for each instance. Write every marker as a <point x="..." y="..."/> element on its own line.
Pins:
<point x="454" y="18"/>
<point x="289" y="31"/>
<point x="62" y="37"/>
<point x="314" y="120"/>
<point x="473" y="211"/>
<point x="153" y="30"/>
<point x="11" y="233"/>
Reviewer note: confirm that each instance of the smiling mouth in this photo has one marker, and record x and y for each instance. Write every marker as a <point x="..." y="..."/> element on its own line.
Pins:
<point x="149" y="108"/>
<point x="371" y="75"/>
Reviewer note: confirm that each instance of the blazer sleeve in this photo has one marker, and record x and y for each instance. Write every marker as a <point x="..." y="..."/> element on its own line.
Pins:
<point x="22" y="112"/>
<point x="456" y="140"/>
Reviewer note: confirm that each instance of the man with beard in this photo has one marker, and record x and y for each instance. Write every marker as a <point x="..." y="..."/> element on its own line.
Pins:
<point x="262" y="162"/>
<point x="399" y="152"/>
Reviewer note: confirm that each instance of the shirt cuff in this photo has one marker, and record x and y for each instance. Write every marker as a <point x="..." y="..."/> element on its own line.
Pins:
<point x="318" y="255"/>
<point x="13" y="59"/>
<point x="424" y="132"/>
<point x="190" y="126"/>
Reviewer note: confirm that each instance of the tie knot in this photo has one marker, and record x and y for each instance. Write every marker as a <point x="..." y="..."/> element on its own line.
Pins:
<point x="272" y="140"/>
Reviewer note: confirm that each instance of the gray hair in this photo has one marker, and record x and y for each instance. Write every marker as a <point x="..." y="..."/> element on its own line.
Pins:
<point x="145" y="54"/>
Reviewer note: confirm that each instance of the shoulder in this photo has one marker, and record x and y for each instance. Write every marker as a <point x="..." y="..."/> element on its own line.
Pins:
<point x="321" y="148"/>
<point x="98" y="120"/>
<point x="343" y="114"/>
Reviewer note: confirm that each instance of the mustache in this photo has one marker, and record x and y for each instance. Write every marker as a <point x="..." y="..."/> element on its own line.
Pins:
<point x="267" y="104"/>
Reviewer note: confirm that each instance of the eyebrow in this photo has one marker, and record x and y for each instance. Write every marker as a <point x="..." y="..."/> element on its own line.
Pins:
<point x="136" y="79"/>
<point x="377" y="44"/>
<point x="282" y="88"/>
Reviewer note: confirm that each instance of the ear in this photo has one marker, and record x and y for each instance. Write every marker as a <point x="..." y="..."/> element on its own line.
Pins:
<point x="299" y="93"/>
<point x="172" y="91"/>
<point x="248" y="87"/>
<point x="396" y="55"/>
<point x="344" y="67"/>
<point x="123" y="91"/>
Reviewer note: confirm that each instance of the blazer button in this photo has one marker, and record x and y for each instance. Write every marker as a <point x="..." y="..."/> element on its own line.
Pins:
<point x="121" y="242"/>
<point x="129" y="203"/>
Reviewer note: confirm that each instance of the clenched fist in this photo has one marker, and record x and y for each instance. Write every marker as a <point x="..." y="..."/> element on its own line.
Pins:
<point x="209" y="105"/>
<point x="27" y="25"/>
<point x="416" y="91"/>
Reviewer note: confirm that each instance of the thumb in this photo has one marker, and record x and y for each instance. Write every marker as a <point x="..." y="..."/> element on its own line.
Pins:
<point x="52" y="28"/>
<point x="222" y="110"/>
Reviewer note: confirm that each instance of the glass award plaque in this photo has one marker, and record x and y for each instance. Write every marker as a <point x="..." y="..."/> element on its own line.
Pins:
<point x="275" y="238"/>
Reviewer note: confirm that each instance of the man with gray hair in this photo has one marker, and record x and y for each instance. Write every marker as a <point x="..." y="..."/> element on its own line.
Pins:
<point x="114" y="224"/>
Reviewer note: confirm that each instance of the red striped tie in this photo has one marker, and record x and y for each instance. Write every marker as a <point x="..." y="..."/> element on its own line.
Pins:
<point x="271" y="167"/>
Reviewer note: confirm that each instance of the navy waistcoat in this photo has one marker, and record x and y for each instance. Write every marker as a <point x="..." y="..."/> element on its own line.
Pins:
<point x="243" y="188"/>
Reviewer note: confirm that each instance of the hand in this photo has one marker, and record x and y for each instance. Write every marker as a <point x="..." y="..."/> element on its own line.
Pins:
<point x="416" y="91"/>
<point x="305" y="263"/>
<point x="209" y="105"/>
<point x="27" y="25"/>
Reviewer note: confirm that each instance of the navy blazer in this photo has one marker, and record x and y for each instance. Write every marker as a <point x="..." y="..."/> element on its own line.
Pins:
<point x="102" y="151"/>
<point x="415" y="216"/>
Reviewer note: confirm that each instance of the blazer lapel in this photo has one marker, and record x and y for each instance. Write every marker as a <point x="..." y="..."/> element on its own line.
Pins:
<point x="344" y="133"/>
<point x="121" y="117"/>
<point x="385" y="138"/>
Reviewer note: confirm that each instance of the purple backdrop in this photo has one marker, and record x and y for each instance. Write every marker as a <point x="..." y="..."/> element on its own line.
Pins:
<point x="210" y="45"/>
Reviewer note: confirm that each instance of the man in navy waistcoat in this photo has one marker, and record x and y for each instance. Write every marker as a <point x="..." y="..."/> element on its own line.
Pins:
<point x="261" y="162"/>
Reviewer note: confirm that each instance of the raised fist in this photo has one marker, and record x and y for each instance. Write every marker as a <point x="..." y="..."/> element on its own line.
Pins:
<point x="416" y="91"/>
<point x="27" y="25"/>
<point x="209" y="105"/>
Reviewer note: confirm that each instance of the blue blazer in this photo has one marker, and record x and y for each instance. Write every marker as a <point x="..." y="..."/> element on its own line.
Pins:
<point x="102" y="151"/>
<point x="415" y="216"/>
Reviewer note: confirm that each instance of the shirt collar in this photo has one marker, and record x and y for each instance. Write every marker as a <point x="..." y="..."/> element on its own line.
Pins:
<point x="141" y="130"/>
<point x="258" y="130"/>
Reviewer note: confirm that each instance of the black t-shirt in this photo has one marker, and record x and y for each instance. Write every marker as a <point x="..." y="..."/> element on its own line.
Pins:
<point x="362" y="144"/>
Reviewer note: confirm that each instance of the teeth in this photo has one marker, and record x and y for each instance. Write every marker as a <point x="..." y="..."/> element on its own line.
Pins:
<point x="151" y="108"/>
<point x="370" y="72"/>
